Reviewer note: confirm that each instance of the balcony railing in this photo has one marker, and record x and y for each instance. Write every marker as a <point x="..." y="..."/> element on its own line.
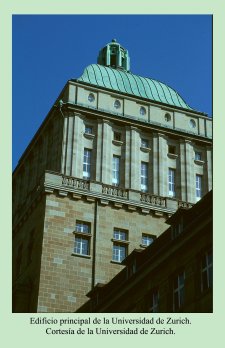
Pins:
<point x="114" y="191"/>
<point x="155" y="200"/>
<point x="75" y="183"/>
<point x="182" y="204"/>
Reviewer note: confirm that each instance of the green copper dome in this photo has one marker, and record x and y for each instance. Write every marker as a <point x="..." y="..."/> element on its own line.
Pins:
<point x="113" y="72"/>
<point x="122" y="81"/>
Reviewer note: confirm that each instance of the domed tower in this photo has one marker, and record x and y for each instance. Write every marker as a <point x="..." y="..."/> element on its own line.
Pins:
<point x="114" y="56"/>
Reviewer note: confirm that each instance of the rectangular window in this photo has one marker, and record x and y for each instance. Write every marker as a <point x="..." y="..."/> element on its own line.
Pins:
<point x="117" y="136"/>
<point x="119" y="252"/>
<point x="178" y="292"/>
<point x="147" y="239"/>
<point x="116" y="170"/>
<point x="172" y="149"/>
<point x="154" y="301"/>
<point x="144" y="176"/>
<point x="198" y="187"/>
<point x="87" y="164"/>
<point x="198" y="156"/>
<point x="81" y="246"/>
<point x="82" y="238"/>
<point x="144" y="143"/>
<point x="171" y="182"/>
<point x="88" y="129"/>
<point x="206" y="271"/>
<point x="120" y="248"/>
<point x="83" y="227"/>
<point x="119" y="234"/>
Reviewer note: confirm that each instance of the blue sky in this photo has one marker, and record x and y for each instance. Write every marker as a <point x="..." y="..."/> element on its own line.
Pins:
<point x="48" y="50"/>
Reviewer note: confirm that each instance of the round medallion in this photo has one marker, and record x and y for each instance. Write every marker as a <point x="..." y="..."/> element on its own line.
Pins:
<point x="117" y="104"/>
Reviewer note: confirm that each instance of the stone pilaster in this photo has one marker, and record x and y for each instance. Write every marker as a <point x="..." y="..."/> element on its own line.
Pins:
<point x="64" y="143"/>
<point x="187" y="176"/>
<point x="69" y="152"/>
<point x="99" y="150"/>
<point x="127" y="173"/>
<point x="107" y="153"/>
<point x="163" y="169"/>
<point x="155" y="162"/>
<point x="77" y="147"/>
<point x="208" y="169"/>
<point x="135" y="165"/>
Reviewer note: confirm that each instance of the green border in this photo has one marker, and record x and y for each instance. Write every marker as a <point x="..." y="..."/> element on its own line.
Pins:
<point x="206" y="329"/>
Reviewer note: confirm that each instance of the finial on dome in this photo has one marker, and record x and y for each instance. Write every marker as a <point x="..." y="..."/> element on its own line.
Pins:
<point x="113" y="40"/>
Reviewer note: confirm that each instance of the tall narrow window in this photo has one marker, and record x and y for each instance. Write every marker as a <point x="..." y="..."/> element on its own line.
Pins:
<point x="206" y="270"/>
<point x="116" y="170"/>
<point x="198" y="187"/>
<point x="171" y="182"/>
<point x="178" y="292"/>
<point x="87" y="164"/>
<point x="144" y="176"/>
<point x="154" y="301"/>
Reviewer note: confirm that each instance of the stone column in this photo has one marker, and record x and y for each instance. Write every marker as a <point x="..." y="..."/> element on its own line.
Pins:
<point x="99" y="150"/>
<point x="208" y="169"/>
<point x="155" y="163"/>
<point x="106" y="176"/>
<point x="77" y="147"/>
<point x="69" y="144"/>
<point x="127" y="167"/>
<point x="64" y="143"/>
<point x="135" y="164"/>
<point x="163" y="168"/>
<point x="187" y="173"/>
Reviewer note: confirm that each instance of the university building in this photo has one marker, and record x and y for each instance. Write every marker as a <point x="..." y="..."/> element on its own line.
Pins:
<point x="114" y="159"/>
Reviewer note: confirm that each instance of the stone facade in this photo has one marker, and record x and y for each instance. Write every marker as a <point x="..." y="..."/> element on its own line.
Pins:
<point x="148" y="281"/>
<point x="103" y="158"/>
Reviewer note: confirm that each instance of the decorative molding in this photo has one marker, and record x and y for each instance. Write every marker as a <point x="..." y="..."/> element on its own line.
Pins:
<point x="75" y="183"/>
<point x="152" y="199"/>
<point x="62" y="193"/>
<point x="172" y="155"/>
<point x="117" y="142"/>
<point x="199" y="162"/>
<point x="89" y="136"/>
<point x="114" y="191"/>
<point x="145" y="149"/>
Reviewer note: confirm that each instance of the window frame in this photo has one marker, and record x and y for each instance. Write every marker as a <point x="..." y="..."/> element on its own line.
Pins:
<point x="117" y="136"/>
<point x="87" y="127"/>
<point x="144" y="143"/>
<point x="172" y="150"/>
<point x="87" y="163"/>
<point x="153" y="304"/>
<point x="198" y="156"/>
<point x="198" y="186"/>
<point x="171" y="182"/>
<point x="144" y="176"/>
<point x="208" y="270"/>
<point x="120" y="243"/>
<point x="178" y="291"/>
<point x="116" y="170"/>
<point x="145" y="245"/>
<point x="82" y="235"/>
